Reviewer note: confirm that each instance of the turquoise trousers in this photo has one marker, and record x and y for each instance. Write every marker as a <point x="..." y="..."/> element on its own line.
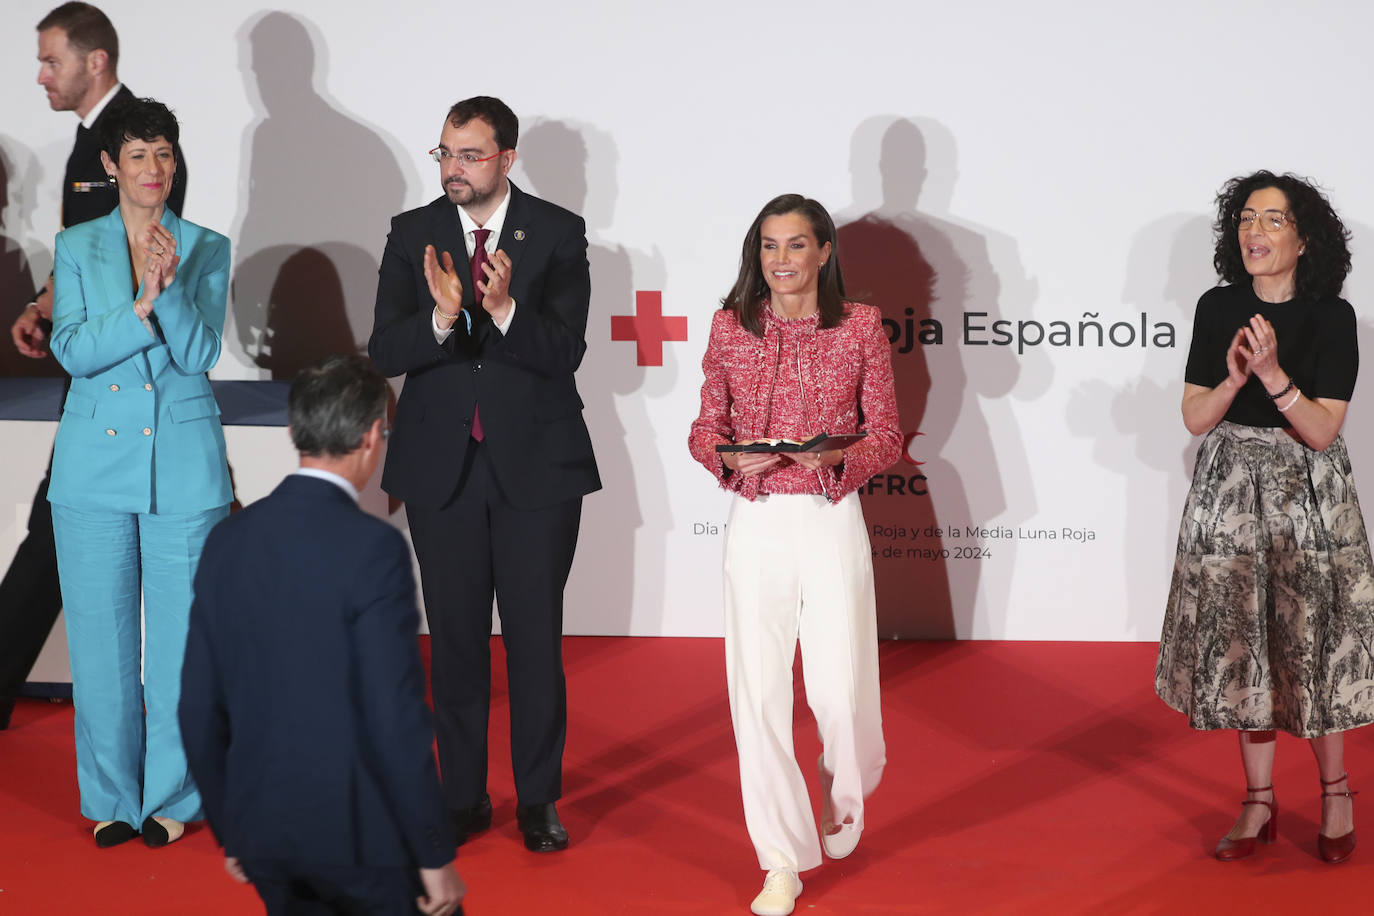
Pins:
<point x="129" y="760"/>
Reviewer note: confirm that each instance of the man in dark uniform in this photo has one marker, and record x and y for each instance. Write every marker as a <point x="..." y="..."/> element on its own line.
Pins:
<point x="78" y="51"/>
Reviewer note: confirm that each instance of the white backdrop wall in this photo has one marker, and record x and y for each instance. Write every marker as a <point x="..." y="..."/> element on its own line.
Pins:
<point x="1024" y="163"/>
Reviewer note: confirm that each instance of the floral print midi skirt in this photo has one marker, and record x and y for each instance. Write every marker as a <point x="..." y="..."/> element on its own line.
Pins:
<point x="1270" y="622"/>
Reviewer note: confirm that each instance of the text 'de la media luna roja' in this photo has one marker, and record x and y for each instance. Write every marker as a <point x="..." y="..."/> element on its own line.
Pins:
<point x="937" y="543"/>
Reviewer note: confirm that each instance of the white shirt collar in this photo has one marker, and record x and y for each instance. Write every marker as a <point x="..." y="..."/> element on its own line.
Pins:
<point x="341" y="482"/>
<point x="498" y="219"/>
<point x="100" y="106"/>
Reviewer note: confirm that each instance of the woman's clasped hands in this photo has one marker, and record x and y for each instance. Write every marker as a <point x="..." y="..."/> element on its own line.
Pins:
<point x="1254" y="350"/>
<point x="160" y="248"/>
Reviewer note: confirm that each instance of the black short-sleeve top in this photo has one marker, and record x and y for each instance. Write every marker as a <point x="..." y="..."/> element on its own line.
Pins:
<point x="1316" y="342"/>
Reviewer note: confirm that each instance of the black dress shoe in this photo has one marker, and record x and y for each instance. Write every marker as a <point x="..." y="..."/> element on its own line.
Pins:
<point x="114" y="833"/>
<point x="467" y="821"/>
<point x="6" y="710"/>
<point x="541" y="827"/>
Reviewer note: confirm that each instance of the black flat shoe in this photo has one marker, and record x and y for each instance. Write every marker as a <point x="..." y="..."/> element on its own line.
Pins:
<point x="467" y="821"/>
<point x="112" y="833"/>
<point x="541" y="828"/>
<point x="157" y="834"/>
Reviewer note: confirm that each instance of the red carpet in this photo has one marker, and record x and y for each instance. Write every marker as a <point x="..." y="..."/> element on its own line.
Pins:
<point x="1021" y="778"/>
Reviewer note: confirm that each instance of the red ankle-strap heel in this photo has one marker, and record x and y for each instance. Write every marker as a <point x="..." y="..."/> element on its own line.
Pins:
<point x="1336" y="849"/>
<point x="1228" y="850"/>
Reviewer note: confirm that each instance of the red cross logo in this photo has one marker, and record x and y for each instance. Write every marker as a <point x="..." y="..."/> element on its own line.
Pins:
<point x="648" y="327"/>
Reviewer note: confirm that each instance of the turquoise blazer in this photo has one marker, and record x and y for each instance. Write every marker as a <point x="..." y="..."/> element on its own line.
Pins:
<point x="140" y="429"/>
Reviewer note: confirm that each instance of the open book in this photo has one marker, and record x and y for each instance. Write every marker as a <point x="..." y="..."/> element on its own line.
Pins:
<point x="822" y="443"/>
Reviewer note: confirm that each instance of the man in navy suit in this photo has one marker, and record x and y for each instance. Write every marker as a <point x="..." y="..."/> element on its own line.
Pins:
<point x="482" y="302"/>
<point x="302" y="704"/>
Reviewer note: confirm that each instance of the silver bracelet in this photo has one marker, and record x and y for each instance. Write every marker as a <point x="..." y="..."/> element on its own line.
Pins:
<point x="1284" y="408"/>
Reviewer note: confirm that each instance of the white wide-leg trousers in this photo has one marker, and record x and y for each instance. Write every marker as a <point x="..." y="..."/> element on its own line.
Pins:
<point x="800" y="566"/>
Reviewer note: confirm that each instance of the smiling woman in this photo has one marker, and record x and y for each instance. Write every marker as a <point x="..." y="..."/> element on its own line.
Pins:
<point x="790" y="358"/>
<point x="1269" y="609"/>
<point x="144" y="172"/>
<point x="138" y="473"/>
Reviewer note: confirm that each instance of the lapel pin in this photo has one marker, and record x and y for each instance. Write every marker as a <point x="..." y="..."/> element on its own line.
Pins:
<point x="519" y="235"/>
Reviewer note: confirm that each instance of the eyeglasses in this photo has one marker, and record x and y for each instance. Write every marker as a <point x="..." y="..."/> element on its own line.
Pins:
<point x="1269" y="220"/>
<point x="466" y="160"/>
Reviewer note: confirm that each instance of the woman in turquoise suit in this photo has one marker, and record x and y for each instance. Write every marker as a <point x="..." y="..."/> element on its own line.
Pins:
<point x="139" y="475"/>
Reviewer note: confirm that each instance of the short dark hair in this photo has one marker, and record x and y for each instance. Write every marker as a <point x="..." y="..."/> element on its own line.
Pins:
<point x="1325" y="262"/>
<point x="751" y="288"/>
<point x="87" y="28"/>
<point x="333" y="402"/>
<point x="137" y="119"/>
<point x="495" y="112"/>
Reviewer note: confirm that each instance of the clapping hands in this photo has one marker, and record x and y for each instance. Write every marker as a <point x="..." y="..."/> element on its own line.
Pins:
<point x="1254" y="351"/>
<point x="160" y="248"/>
<point x="444" y="285"/>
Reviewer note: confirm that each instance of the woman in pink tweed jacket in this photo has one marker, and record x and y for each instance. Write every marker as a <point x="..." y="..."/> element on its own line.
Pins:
<point x="846" y="369"/>
<point x="789" y="358"/>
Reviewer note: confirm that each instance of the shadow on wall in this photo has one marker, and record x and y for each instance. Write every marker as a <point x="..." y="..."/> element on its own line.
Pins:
<point x="917" y="267"/>
<point x="621" y="558"/>
<point x="18" y="179"/>
<point x="322" y="187"/>
<point x="1135" y="427"/>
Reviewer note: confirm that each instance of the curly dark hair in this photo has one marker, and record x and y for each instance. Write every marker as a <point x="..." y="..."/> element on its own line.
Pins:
<point x="137" y="119"/>
<point x="1325" y="262"/>
<point x="751" y="288"/>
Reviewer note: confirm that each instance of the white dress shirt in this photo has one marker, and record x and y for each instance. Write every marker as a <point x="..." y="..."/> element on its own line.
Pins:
<point x="498" y="219"/>
<point x="100" y="106"/>
<point x="341" y="482"/>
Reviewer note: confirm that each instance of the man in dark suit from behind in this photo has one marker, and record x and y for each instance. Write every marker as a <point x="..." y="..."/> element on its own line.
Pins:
<point x="78" y="56"/>
<point x="302" y="704"/>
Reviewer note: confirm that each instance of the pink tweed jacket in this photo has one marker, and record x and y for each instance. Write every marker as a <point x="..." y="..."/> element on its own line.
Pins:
<point x="846" y="377"/>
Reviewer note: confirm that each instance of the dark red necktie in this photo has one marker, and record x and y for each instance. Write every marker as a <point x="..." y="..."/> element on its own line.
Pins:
<point x="479" y="257"/>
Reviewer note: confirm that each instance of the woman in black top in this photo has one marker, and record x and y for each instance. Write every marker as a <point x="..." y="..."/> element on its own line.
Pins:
<point x="1270" y="622"/>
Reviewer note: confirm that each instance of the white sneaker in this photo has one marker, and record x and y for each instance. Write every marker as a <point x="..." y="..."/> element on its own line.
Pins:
<point x="781" y="888"/>
<point x="842" y="842"/>
<point x="838" y="840"/>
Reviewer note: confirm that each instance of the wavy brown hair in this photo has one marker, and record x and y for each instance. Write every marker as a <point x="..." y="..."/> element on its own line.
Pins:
<point x="751" y="289"/>
<point x="1325" y="263"/>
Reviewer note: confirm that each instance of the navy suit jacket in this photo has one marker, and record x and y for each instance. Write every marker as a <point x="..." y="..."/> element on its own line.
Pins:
<point x="302" y="701"/>
<point x="523" y="380"/>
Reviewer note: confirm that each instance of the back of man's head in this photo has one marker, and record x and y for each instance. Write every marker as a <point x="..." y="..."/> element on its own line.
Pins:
<point x="333" y="403"/>
<point x="87" y="28"/>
